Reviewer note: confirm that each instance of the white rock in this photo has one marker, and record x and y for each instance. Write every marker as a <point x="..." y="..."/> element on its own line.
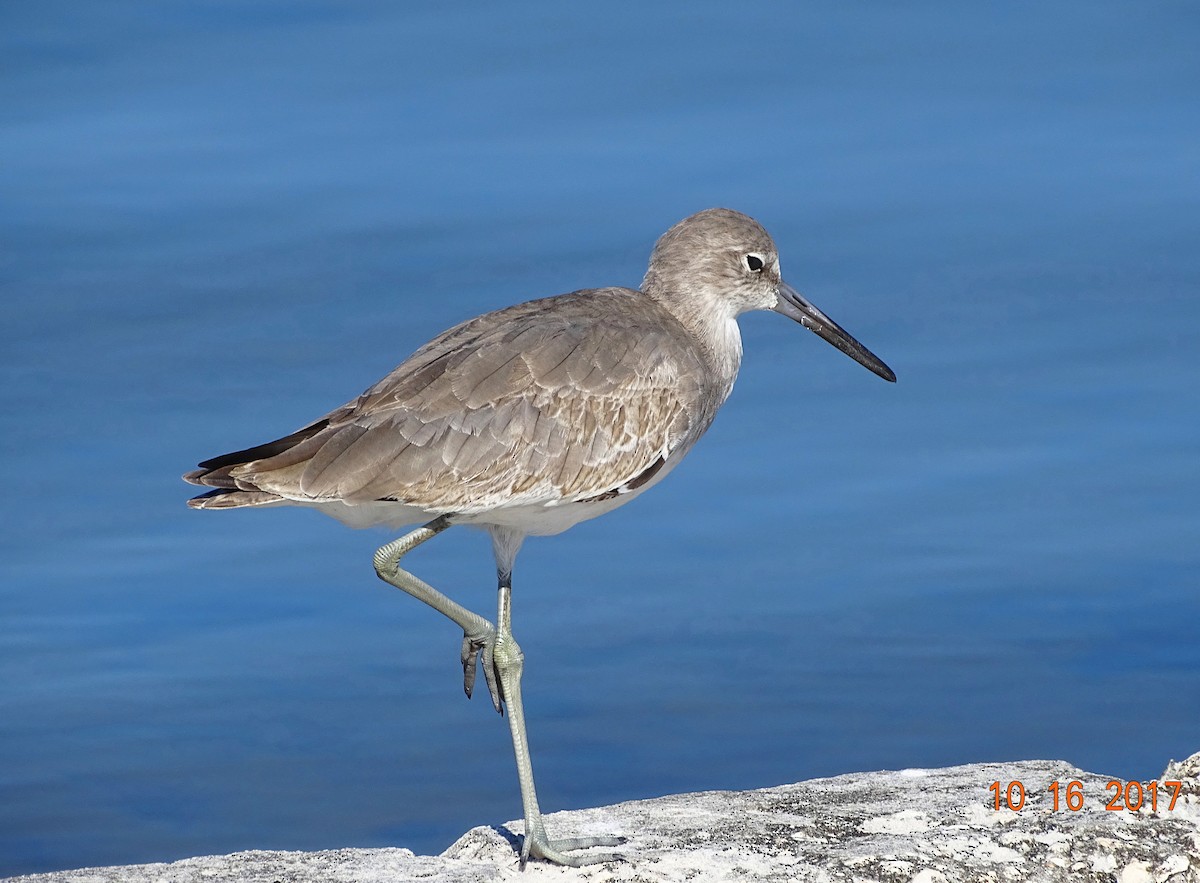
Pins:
<point x="912" y="826"/>
<point x="1136" y="872"/>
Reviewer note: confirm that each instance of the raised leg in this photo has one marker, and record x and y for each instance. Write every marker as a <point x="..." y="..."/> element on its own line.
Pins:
<point x="479" y="635"/>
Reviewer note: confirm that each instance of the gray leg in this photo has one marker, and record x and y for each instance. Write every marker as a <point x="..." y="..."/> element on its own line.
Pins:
<point x="510" y="663"/>
<point x="478" y="633"/>
<point x="503" y="662"/>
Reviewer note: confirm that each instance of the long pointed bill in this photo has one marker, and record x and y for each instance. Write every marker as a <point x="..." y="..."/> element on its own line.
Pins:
<point x="794" y="306"/>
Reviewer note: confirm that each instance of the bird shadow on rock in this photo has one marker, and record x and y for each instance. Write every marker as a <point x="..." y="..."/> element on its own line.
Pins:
<point x="514" y="839"/>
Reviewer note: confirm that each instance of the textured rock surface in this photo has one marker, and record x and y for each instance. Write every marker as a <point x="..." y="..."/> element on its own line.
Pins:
<point x="912" y="826"/>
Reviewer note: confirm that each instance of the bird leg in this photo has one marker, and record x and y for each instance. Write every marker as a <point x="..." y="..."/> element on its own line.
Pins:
<point x="510" y="664"/>
<point x="503" y="663"/>
<point x="478" y="633"/>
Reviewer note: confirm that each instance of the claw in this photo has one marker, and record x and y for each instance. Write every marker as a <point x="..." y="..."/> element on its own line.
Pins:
<point x="472" y="644"/>
<point x="470" y="655"/>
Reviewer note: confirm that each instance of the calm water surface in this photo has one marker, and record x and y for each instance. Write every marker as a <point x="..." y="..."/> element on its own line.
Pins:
<point x="217" y="222"/>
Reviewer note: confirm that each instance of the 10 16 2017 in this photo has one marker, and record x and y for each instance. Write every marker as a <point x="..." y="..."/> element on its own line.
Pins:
<point x="1130" y="796"/>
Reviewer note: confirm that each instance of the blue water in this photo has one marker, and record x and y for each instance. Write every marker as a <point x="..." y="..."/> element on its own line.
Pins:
<point x="219" y="220"/>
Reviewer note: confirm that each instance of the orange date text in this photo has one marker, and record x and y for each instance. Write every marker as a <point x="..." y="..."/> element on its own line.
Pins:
<point x="1123" y="796"/>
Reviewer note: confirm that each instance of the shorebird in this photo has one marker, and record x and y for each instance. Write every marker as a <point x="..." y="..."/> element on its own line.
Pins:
<point x="528" y="420"/>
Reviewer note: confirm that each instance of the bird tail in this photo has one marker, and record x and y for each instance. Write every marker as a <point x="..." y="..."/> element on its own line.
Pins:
<point x="233" y="499"/>
<point x="228" y="475"/>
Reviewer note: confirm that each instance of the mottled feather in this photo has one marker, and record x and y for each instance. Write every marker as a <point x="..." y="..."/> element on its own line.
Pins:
<point x="551" y="401"/>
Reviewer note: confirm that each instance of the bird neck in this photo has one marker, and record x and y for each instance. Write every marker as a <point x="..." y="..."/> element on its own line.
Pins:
<point x="709" y="322"/>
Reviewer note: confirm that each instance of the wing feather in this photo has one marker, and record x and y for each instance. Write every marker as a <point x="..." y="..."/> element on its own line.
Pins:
<point x="543" y="402"/>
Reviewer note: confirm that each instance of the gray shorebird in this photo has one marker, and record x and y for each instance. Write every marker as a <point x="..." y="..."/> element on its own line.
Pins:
<point x="528" y="420"/>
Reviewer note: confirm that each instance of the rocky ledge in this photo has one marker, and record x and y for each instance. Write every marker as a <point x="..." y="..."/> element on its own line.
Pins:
<point x="910" y="826"/>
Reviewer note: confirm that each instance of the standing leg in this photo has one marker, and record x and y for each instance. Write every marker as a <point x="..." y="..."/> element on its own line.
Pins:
<point x="510" y="664"/>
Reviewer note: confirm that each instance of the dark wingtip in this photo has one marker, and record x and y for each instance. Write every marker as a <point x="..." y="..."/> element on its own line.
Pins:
<point x="195" y="476"/>
<point x="214" y="472"/>
<point x="262" y="452"/>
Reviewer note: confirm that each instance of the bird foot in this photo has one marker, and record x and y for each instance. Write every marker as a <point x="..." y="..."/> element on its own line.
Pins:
<point x="474" y="642"/>
<point x="536" y="845"/>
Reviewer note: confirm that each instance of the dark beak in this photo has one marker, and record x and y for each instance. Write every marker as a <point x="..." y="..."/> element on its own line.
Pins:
<point x="794" y="306"/>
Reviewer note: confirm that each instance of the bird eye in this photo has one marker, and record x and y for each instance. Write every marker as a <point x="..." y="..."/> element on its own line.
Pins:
<point x="754" y="262"/>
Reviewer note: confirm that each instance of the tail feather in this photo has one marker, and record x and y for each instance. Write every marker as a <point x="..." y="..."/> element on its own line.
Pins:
<point x="227" y="499"/>
<point x="217" y="471"/>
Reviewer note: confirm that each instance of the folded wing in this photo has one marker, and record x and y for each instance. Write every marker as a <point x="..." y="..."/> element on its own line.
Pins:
<point x="527" y="405"/>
